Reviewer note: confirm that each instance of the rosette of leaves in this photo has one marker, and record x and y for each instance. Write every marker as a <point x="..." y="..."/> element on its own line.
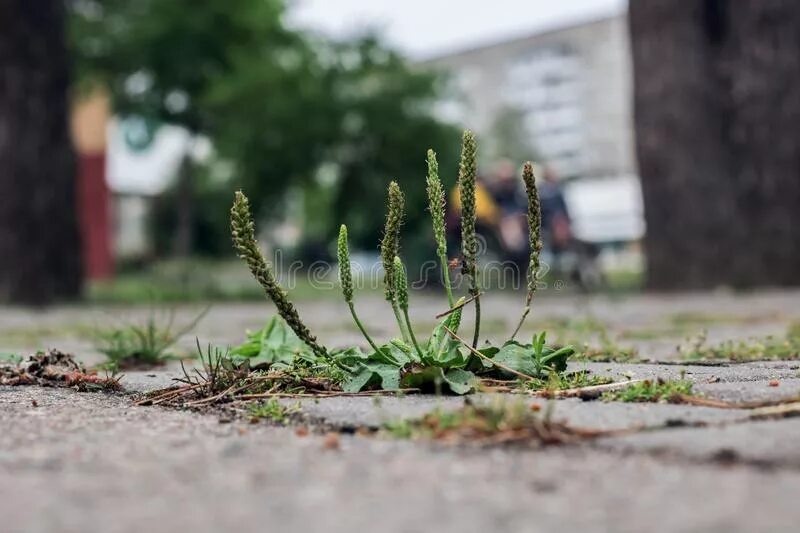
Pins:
<point x="442" y="365"/>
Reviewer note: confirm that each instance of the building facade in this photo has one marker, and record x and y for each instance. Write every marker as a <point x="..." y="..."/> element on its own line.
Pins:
<point x="570" y="89"/>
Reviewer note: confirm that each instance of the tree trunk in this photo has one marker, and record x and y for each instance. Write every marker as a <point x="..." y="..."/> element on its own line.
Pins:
<point x="717" y="107"/>
<point x="39" y="242"/>
<point x="183" y="243"/>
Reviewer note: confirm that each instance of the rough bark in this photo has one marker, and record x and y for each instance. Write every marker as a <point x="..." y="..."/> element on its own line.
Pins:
<point x="39" y="242"/>
<point x="717" y="107"/>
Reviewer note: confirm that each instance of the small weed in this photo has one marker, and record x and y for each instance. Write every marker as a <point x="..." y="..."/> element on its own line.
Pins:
<point x="651" y="391"/>
<point x="768" y="348"/>
<point x="10" y="358"/>
<point x="273" y="410"/>
<point x="592" y="338"/>
<point x="573" y="380"/>
<point x="689" y="319"/>
<point x="138" y="346"/>
<point x="649" y="334"/>
<point x="498" y="422"/>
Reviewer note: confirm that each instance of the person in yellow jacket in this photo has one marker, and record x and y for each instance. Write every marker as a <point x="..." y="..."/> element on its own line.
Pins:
<point x="486" y="210"/>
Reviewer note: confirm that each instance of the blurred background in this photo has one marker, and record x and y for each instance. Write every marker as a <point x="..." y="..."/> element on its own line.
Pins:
<point x="664" y="134"/>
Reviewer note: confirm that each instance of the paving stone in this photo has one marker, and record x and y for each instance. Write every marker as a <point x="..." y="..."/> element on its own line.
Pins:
<point x="89" y="463"/>
<point x="375" y="412"/>
<point x="737" y="372"/>
<point x="752" y="391"/>
<point x="770" y="442"/>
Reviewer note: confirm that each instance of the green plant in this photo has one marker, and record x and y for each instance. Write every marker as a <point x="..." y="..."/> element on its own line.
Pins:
<point x="436" y="206"/>
<point x="651" y="391"/>
<point x="467" y="176"/>
<point x="346" y="282"/>
<point x="534" y="238"/>
<point x="10" y="358"/>
<point x="496" y="422"/>
<point x="273" y="410"/>
<point x="445" y="362"/>
<point x="768" y="348"/>
<point x="556" y="381"/>
<point x="244" y="240"/>
<point x="536" y="360"/>
<point x="390" y="248"/>
<point x="276" y="344"/>
<point x="135" y="345"/>
<point x="216" y="371"/>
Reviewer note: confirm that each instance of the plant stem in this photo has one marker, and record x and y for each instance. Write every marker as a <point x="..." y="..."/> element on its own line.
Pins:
<point x="361" y="327"/>
<point x="525" y="312"/>
<point x="399" y="318"/>
<point x="477" y="320"/>
<point x="411" y="333"/>
<point x="446" y="279"/>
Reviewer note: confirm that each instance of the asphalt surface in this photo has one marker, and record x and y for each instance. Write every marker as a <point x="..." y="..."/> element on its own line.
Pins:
<point x="94" y="462"/>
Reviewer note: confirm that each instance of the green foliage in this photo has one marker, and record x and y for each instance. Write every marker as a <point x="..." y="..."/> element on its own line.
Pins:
<point x="436" y="207"/>
<point x="276" y="344"/>
<point x="443" y="364"/>
<point x="244" y="240"/>
<point x="345" y="272"/>
<point x="290" y="111"/>
<point x="467" y="175"/>
<point x="10" y="358"/>
<point x="446" y="365"/>
<point x="535" y="359"/>
<point x="273" y="410"/>
<point x="390" y="244"/>
<point x="140" y="345"/>
<point x="534" y="226"/>
<point x="650" y="391"/>
<point x="493" y="422"/>
<point x="556" y="381"/>
<point x="534" y="239"/>
<point x="768" y="348"/>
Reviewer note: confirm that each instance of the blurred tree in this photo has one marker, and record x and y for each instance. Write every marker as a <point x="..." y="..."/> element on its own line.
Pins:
<point x="39" y="241"/>
<point x="335" y="120"/>
<point x="717" y="104"/>
<point x="164" y="61"/>
<point x="386" y="127"/>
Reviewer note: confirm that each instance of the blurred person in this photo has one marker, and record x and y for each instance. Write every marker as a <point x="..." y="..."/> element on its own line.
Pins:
<point x="556" y="225"/>
<point x="487" y="214"/>
<point x="569" y="255"/>
<point x="509" y="195"/>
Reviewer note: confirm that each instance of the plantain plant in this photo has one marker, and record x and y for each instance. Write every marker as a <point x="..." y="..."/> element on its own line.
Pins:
<point x="244" y="240"/>
<point x="390" y="247"/>
<point x="534" y="238"/>
<point x="445" y="361"/>
<point x="467" y="176"/>
<point x="436" y="207"/>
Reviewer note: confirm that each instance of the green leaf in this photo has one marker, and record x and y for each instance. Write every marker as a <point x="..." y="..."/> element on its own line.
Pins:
<point x="435" y="379"/>
<point x="518" y="357"/>
<point x="536" y="360"/>
<point x="275" y="343"/>
<point x="557" y="359"/>
<point x="460" y="381"/>
<point x="358" y="381"/>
